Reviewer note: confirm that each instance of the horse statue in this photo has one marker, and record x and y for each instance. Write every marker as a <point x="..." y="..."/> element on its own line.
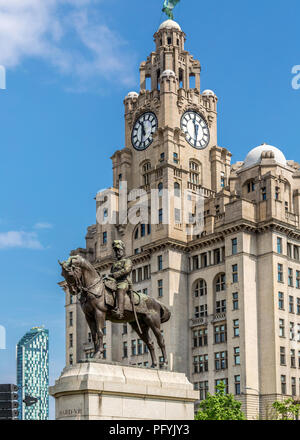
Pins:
<point x="97" y="302"/>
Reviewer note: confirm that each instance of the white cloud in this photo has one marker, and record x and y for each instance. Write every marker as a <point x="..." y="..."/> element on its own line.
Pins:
<point x="45" y="28"/>
<point x="43" y="225"/>
<point x="19" y="239"/>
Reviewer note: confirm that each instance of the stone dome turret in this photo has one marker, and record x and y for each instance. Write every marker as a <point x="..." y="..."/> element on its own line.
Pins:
<point x="264" y="151"/>
<point x="169" y="24"/>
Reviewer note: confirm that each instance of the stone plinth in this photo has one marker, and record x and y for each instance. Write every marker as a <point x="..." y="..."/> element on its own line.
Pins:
<point x="102" y="391"/>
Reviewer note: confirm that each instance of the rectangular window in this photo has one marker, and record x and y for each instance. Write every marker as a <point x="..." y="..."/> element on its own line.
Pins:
<point x="293" y="384"/>
<point x="221" y="306"/>
<point x="280" y="300"/>
<point x="89" y="338"/>
<point x="289" y="250"/>
<point x="235" y="301"/>
<point x="140" y="346"/>
<point x="290" y="277"/>
<point x="143" y="230"/>
<point x="283" y="384"/>
<point x="237" y="358"/>
<point x="293" y="359"/>
<point x="125" y="349"/>
<point x="279" y="245"/>
<point x="298" y="279"/>
<point x="237" y="385"/>
<point x="160" y="288"/>
<point x="282" y="356"/>
<point x="235" y="277"/>
<point x="203" y="388"/>
<point x="221" y="361"/>
<point x="298" y="332"/>
<point x="296" y="252"/>
<point x="71" y="359"/>
<point x="298" y="306"/>
<point x="280" y="273"/>
<point x="264" y="193"/>
<point x="234" y="246"/>
<point x="104" y="238"/>
<point x="70" y="340"/>
<point x="220" y="334"/>
<point x="177" y="215"/>
<point x="160" y="262"/>
<point x="225" y="381"/>
<point x="125" y="331"/>
<point x="162" y="157"/>
<point x="175" y="158"/>
<point x="70" y="319"/>
<point x="292" y="331"/>
<point x="200" y="338"/>
<point x="291" y="304"/>
<point x="160" y="216"/>
<point x="281" y="328"/>
<point x="133" y="347"/>
<point x="236" y="328"/>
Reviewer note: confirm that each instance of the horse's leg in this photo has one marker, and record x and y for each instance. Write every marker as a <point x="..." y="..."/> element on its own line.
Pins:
<point x="92" y="325"/>
<point x="145" y="337"/>
<point x="100" y="323"/>
<point x="154" y="323"/>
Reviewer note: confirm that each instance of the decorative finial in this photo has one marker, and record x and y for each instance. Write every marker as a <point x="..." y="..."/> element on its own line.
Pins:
<point x="169" y="5"/>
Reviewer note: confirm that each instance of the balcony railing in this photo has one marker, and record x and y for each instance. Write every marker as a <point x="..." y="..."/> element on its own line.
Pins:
<point x="210" y="319"/>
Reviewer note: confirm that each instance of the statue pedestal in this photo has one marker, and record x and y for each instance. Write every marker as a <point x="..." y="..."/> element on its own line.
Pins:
<point x="104" y="391"/>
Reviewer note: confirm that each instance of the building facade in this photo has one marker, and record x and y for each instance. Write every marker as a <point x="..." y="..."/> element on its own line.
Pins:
<point x="33" y="373"/>
<point x="234" y="287"/>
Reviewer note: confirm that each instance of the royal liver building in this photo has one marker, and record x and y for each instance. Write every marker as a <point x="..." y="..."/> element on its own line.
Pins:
<point x="234" y="287"/>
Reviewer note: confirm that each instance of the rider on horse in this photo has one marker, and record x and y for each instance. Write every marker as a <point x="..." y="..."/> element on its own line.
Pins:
<point x="120" y="271"/>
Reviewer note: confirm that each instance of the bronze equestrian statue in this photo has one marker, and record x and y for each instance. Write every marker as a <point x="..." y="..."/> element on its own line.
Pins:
<point x="112" y="298"/>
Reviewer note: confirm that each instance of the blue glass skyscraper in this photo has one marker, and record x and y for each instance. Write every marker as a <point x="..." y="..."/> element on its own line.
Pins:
<point x="33" y="373"/>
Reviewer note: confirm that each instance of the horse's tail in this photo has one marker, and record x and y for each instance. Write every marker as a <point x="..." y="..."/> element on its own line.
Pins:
<point x="165" y="313"/>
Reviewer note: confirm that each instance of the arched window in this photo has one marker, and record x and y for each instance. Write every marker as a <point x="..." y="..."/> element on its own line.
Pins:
<point x="200" y="288"/>
<point x="177" y="192"/>
<point x="145" y="170"/>
<point x="160" y="189"/>
<point x="220" y="283"/>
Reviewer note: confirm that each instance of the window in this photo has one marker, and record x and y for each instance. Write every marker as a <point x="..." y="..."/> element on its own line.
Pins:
<point x="237" y="384"/>
<point x="280" y="273"/>
<point x="201" y="363"/>
<point x="194" y="173"/>
<point x="125" y="331"/>
<point x="177" y="192"/>
<point x="143" y="230"/>
<point x="234" y="246"/>
<point x="291" y="304"/>
<point x="280" y="300"/>
<point x="298" y="358"/>
<point x="221" y="361"/>
<point x="133" y="347"/>
<point x="220" y="334"/>
<point x="235" y="276"/>
<point x="201" y="311"/>
<point x="236" y="328"/>
<point x="298" y="306"/>
<point x="217" y="256"/>
<point x="146" y="169"/>
<point x="225" y="381"/>
<point x="237" y="358"/>
<point x="251" y="186"/>
<point x="177" y="215"/>
<point x="277" y="193"/>
<point x="160" y="216"/>
<point x="200" y="288"/>
<point x="160" y="288"/>
<point x="104" y="351"/>
<point x="282" y="356"/>
<point x="162" y="157"/>
<point x="125" y="349"/>
<point x="105" y="214"/>
<point x="279" y="245"/>
<point x="71" y="359"/>
<point x="235" y="301"/>
<point x="145" y="291"/>
<point x="293" y="382"/>
<point x="70" y="319"/>
<point x="159" y="262"/>
<point x="160" y="188"/>
<point x="290" y="277"/>
<point x="264" y="193"/>
<point x="104" y="237"/>
<point x="70" y="340"/>
<point x="296" y="252"/>
<point x="293" y="359"/>
<point x="203" y="388"/>
<point x="175" y="158"/>
<point x="283" y="384"/>
<point x="221" y="306"/>
<point x="298" y="279"/>
<point x="298" y="331"/>
<point x="222" y="179"/>
<point x="195" y="261"/>
<point x="220" y="283"/>
<point x="89" y="338"/>
<point x="292" y="331"/>
<point x="136" y="234"/>
<point x="289" y="250"/>
<point x="200" y="337"/>
<point x="71" y="299"/>
<point x="281" y="328"/>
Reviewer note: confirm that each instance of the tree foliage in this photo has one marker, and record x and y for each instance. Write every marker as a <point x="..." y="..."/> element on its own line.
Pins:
<point x="286" y="410"/>
<point x="220" y="406"/>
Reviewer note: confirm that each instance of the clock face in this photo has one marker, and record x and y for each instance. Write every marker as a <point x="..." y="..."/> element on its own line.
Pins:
<point x="195" y="129"/>
<point x="143" y="130"/>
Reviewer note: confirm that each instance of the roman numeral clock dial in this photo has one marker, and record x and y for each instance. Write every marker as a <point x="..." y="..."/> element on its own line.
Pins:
<point x="195" y="129"/>
<point x="143" y="131"/>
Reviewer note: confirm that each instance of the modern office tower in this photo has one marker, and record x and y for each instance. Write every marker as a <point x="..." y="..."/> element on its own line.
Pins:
<point x="33" y="373"/>
<point x="233" y="288"/>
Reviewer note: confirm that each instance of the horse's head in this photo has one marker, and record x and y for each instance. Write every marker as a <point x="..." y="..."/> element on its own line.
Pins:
<point x="77" y="272"/>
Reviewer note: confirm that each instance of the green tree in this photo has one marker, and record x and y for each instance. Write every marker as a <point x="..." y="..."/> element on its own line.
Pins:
<point x="286" y="410"/>
<point x="220" y="406"/>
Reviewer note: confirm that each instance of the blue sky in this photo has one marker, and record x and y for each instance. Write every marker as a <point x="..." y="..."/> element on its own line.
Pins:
<point x="69" y="65"/>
